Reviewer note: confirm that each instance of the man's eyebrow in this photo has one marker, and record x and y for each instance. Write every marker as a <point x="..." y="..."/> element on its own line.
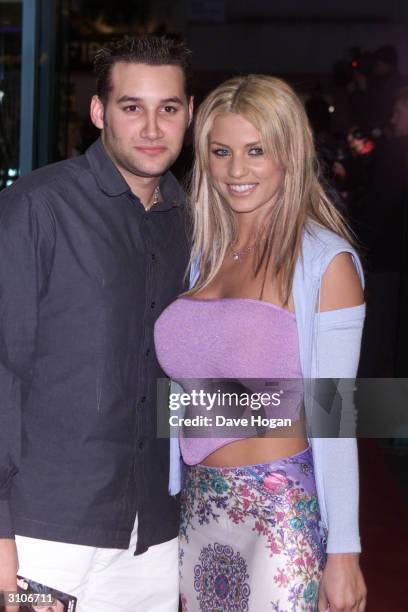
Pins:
<point x="129" y="99"/>
<point x="174" y="100"/>
<point x="135" y="99"/>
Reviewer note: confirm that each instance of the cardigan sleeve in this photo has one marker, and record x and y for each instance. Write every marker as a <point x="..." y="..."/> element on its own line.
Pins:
<point x="335" y="458"/>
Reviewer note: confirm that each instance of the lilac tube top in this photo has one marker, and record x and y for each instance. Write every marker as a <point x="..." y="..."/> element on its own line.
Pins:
<point x="229" y="338"/>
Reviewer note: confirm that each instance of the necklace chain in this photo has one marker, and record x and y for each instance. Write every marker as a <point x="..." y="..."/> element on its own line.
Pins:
<point x="236" y="255"/>
<point x="156" y="195"/>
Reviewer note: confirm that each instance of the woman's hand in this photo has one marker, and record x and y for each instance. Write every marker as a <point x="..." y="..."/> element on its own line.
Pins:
<point x="342" y="587"/>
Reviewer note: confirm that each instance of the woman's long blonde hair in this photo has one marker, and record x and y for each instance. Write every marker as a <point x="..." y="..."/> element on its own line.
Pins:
<point x="275" y="110"/>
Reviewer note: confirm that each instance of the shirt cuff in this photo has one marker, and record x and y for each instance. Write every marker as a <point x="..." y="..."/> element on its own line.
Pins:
<point x="343" y="544"/>
<point x="6" y="523"/>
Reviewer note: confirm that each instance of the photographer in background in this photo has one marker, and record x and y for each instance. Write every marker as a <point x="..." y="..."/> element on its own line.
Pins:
<point x="383" y="352"/>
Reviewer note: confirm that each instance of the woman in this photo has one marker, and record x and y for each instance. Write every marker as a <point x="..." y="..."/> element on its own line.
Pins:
<point x="278" y="294"/>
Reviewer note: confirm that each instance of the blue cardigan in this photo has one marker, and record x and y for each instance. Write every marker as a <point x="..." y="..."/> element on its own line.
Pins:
<point x="329" y="345"/>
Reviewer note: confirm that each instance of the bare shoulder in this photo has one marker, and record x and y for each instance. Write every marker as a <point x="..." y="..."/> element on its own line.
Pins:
<point x="341" y="286"/>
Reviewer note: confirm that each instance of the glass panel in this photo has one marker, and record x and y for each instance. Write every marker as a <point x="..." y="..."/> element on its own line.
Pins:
<point x="10" y="73"/>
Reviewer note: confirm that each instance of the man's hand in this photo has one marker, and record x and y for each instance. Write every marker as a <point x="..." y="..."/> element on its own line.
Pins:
<point x="342" y="588"/>
<point x="8" y="568"/>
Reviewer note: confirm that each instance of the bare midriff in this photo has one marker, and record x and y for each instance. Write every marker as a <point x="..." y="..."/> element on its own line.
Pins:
<point x="253" y="451"/>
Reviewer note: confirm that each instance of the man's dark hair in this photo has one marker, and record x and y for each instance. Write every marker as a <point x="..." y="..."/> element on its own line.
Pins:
<point x="402" y="95"/>
<point x="386" y="54"/>
<point x="151" y="50"/>
<point x="358" y="133"/>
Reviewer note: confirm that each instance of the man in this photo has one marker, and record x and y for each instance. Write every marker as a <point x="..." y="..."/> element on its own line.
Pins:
<point x="383" y="351"/>
<point x="399" y="123"/>
<point x="91" y="251"/>
<point x="385" y="83"/>
<point x="399" y="117"/>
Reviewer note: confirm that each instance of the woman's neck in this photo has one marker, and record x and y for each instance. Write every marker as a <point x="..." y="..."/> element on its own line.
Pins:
<point x="247" y="232"/>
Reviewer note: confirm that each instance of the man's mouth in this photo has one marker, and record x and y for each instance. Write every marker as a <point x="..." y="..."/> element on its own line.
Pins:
<point x="151" y="151"/>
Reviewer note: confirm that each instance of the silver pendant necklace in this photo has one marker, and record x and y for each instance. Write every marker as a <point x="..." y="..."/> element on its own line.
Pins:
<point x="156" y="195"/>
<point x="236" y="255"/>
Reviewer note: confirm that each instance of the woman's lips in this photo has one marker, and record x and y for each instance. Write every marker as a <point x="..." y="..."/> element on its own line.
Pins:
<point x="241" y="190"/>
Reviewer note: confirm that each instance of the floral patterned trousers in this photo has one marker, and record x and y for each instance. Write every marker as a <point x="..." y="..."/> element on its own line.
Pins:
<point x="251" y="537"/>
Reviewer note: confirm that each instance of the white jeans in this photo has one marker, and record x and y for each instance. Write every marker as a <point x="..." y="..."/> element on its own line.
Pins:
<point x="105" y="579"/>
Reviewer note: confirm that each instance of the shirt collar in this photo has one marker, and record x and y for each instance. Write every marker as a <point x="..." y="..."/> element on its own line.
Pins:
<point x="107" y="175"/>
<point x="112" y="182"/>
<point x="171" y="191"/>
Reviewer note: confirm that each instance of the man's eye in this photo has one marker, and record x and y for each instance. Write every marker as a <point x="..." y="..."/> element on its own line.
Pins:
<point x="256" y="151"/>
<point x="220" y="152"/>
<point x="170" y="109"/>
<point x="131" y="108"/>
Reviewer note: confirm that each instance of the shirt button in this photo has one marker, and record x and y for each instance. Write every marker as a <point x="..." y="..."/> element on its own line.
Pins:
<point x="147" y="352"/>
<point x="152" y="305"/>
<point x="141" y="445"/>
<point x="153" y="255"/>
<point x="143" y="399"/>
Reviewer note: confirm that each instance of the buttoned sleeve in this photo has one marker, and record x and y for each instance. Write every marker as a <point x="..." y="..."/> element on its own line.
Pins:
<point x="27" y="239"/>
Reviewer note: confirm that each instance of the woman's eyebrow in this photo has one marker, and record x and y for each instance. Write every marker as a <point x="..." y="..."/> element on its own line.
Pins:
<point x="249" y="145"/>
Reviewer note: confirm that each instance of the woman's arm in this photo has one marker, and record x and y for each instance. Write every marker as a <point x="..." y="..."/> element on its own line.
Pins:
<point x="341" y="316"/>
<point x="340" y="286"/>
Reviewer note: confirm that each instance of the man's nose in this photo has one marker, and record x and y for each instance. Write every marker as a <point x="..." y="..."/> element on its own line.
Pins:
<point x="151" y="128"/>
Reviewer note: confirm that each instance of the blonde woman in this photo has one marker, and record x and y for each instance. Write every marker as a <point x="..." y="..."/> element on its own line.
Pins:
<point x="268" y="523"/>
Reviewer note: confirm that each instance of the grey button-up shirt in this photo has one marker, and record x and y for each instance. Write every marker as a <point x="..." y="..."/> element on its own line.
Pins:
<point x="84" y="273"/>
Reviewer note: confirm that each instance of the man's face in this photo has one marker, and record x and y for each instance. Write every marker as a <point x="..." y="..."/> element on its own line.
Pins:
<point x="356" y="144"/>
<point x="144" y="119"/>
<point x="399" y="119"/>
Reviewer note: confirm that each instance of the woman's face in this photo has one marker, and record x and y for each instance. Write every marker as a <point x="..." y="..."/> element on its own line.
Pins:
<point x="247" y="178"/>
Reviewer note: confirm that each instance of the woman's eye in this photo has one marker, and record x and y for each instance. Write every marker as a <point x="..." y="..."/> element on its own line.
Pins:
<point x="220" y="152"/>
<point x="256" y="151"/>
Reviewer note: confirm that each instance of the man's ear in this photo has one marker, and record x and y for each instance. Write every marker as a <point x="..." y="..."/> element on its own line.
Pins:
<point x="97" y="112"/>
<point x="190" y="110"/>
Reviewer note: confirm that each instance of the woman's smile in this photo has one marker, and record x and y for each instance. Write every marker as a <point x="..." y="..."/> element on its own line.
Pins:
<point x="241" y="190"/>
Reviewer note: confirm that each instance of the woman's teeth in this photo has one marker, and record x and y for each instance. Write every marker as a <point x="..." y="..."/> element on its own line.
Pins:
<point x="242" y="188"/>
